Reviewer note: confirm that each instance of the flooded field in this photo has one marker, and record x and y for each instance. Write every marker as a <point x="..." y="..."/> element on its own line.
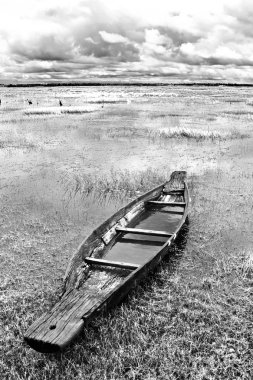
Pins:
<point x="65" y="169"/>
<point x="51" y="157"/>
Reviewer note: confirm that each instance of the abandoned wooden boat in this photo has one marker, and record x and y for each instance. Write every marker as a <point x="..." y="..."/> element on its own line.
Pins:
<point x="112" y="260"/>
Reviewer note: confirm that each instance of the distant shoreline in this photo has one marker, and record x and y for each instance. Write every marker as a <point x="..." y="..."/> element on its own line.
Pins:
<point x="137" y="84"/>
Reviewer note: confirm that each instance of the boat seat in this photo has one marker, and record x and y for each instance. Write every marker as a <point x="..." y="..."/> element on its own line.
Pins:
<point x="171" y="212"/>
<point x="116" y="264"/>
<point x="143" y="232"/>
<point x="166" y="203"/>
<point x="173" y="192"/>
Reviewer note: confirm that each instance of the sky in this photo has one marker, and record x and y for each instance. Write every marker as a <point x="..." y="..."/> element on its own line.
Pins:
<point x="126" y="40"/>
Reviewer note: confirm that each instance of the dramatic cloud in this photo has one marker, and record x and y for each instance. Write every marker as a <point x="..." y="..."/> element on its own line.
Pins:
<point x="93" y="39"/>
<point x="112" y="38"/>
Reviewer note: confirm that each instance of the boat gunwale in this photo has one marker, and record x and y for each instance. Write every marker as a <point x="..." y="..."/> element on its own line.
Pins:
<point x="103" y="228"/>
<point x="146" y="266"/>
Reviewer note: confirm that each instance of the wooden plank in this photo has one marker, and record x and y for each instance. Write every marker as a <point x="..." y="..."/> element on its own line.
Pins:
<point x="116" y="264"/>
<point x="134" y="212"/>
<point x="147" y="241"/>
<point x="143" y="232"/>
<point x="171" y="212"/>
<point x="109" y="235"/>
<point x="58" y="327"/>
<point x="161" y="203"/>
<point x="173" y="192"/>
<point x="176" y="182"/>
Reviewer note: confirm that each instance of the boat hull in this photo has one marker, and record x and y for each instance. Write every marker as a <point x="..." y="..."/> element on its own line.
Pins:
<point x="94" y="282"/>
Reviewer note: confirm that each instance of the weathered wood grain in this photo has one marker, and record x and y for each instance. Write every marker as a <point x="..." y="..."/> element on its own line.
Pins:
<point x="115" y="264"/>
<point x="57" y="328"/>
<point x="171" y="212"/>
<point x="107" y="237"/>
<point x="162" y="203"/>
<point x="143" y="232"/>
<point x="173" y="192"/>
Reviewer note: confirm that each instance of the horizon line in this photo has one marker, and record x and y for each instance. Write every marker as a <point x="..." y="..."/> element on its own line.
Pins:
<point x="140" y="83"/>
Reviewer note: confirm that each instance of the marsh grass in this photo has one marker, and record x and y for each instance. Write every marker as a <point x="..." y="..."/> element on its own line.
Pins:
<point x="168" y="115"/>
<point x="234" y="100"/>
<point x="198" y="134"/>
<point x="46" y="111"/>
<point x="243" y="112"/>
<point x="248" y="264"/>
<point x="116" y="133"/>
<point x="164" y="133"/>
<point x="16" y="141"/>
<point x="117" y="184"/>
<point x="107" y="101"/>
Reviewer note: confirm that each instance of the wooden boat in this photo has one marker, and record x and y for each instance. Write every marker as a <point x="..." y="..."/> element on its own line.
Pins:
<point x="112" y="260"/>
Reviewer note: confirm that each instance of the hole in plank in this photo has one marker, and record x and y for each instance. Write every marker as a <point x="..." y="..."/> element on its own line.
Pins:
<point x="52" y="327"/>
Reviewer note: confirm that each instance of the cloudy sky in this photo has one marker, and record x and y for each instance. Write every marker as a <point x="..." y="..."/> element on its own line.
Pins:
<point x="83" y="40"/>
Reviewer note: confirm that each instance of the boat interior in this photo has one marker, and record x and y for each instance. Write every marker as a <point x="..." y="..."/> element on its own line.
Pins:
<point x="141" y="238"/>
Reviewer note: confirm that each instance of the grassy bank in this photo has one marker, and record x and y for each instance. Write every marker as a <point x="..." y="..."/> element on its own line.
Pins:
<point x="191" y="320"/>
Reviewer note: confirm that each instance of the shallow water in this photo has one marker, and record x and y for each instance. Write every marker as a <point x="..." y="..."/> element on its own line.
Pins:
<point x="133" y="251"/>
<point x="44" y="151"/>
<point x="138" y="249"/>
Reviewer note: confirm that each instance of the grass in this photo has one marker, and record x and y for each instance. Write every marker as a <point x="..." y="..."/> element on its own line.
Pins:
<point x="190" y="320"/>
<point x="118" y="185"/>
<point x="198" y="135"/>
<point x="165" y="133"/>
<point x="107" y="101"/>
<point x="248" y="264"/>
<point x="46" y="111"/>
<point x="168" y="115"/>
<point x="18" y="142"/>
<point x="247" y="113"/>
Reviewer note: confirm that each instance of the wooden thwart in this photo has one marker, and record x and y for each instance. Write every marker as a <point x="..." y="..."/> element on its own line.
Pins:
<point x="171" y="212"/>
<point x="166" y="203"/>
<point x="116" y="264"/>
<point x="173" y="192"/>
<point x="143" y="232"/>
